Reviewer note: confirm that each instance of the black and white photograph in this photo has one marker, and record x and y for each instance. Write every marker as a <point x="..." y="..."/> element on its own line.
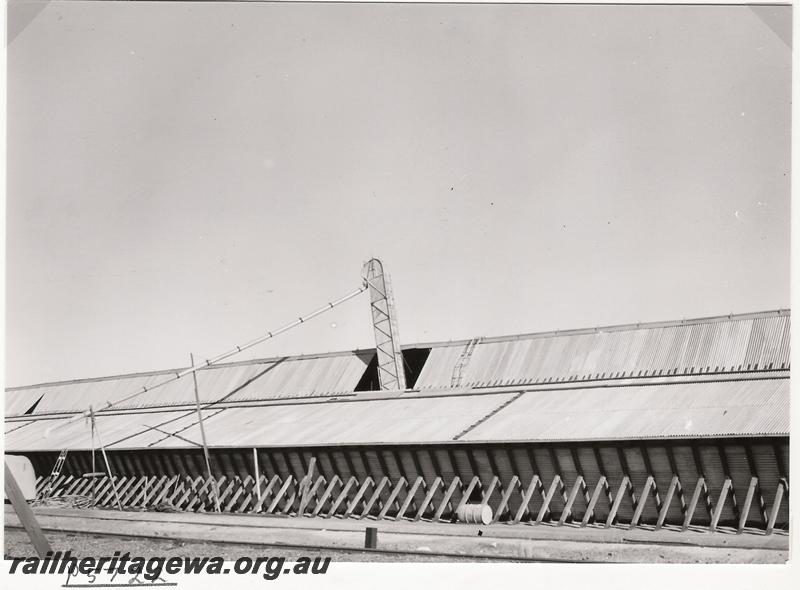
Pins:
<point x="336" y="294"/>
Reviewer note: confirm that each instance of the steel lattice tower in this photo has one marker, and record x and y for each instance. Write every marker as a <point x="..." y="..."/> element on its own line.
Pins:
<point x="390" y="360"/>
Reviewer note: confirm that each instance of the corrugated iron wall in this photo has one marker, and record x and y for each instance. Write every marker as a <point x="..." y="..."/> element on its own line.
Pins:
<point x="720" y="473"/>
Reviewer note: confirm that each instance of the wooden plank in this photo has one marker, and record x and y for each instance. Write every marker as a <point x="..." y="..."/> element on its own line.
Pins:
<point x="351" y="506"/>
<point x="674" y="467"/>
<point x="142" y="491"/>
<point x="352" y="481"/>
<point x="274" y="504"/>
<point x="762" y="506"/>
<point x="305" y="483"/>
<point x="576" y="487"/>
<point x="207" y="495"/>
<point x="171" y="482"/>
<point x="392" y="497"/>
<point x="228" y="489"/>
<point x="308" y="495"/>
<point x="177" y="488"/>
<point x="151" y="490"/>
<point x="71" y="484"/>
<point x="190" y="490"/>
<point x="504" y="498"/>
<point x="446" y="499"/>
<point x="598" y="489"/>
<point x="526" y="498"/>
<point x="748" y="500"/>
<point x="123" y="489"/>
<point x="698" y="488"/>
<point x="335" y="480"/>
<point x="235" y="496"/>
<point x="773" y="515"/>
<point x="25" y="514"/>
<point x="662" y="515"/>
<point x="55" y="490"/>
<point x="92" y="486"/>
<point x="375" y="495"/>
<point x="266" y="493"/>
<point x="248" y="489"/>
<point x="637" y="513"/>
<point x="126" y="493"/>
<point x="105" y="492"/>
<point x="84" y="487"/>
<point x="410" y="496"/>
<point x="550" y="492"/>
<point x="437" y="483"/>
<point x="131" y="490"/>
<point x="488" y="494"/>
<point x="612" y="514"/>
<point x="254" y="494"/>
<point x="723" y="495"/>
<point x="290" y="501"/>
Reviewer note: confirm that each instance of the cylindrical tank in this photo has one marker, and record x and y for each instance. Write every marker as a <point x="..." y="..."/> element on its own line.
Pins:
<point x="22" y="469"/>
<point x="475" y="514"/>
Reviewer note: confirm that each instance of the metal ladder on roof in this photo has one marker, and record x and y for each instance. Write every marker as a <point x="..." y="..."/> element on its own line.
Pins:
<point x="62" y="457"/>
<point x="461" y="363"/>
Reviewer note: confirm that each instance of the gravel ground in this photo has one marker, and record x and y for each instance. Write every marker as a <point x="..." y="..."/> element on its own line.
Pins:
<point x="17" y="544"/>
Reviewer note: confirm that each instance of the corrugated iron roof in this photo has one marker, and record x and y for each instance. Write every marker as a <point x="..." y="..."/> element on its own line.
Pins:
<point x="336" y="422"/>
<point x="738" y="344"/>
<point x="114" y="429"/>
<point x="723" y="345"/>
<point x="684" y="410"/>
<point x="347" y="422"/>
<point x="18" y="402"/>
<point x="300" y="377"/>
<point x="729" y="408"/>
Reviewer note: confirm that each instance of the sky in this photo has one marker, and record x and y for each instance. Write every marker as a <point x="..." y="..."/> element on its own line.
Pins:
<point x="185" y="177"/>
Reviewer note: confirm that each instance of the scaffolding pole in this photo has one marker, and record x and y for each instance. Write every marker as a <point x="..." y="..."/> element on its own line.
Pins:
<point x="203" y="437"/>
<point x="105" y="458"/>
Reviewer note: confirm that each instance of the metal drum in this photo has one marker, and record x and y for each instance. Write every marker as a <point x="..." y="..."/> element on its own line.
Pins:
<point x="475" y="514"/>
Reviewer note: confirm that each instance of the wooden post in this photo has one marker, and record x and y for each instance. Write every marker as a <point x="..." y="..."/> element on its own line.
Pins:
<point x="371" y="539"/>
<point x="637" y="513"/>
<point x="105" y="458"/>
<point x="570" y="501"/>
<point x="673" y="485"/>
<point x="693" y="503"/>
<point x="25" y="514"/>
<point x="598" y="489"/>
<point x="776" y="505"/>
<point x="746" y="507"/>
<point x="617" y="501"/>
<point x="94" y="468"/>
<point x="720" y="505"/>
<point x="454" y="484"/>
<point x="552" y="490"/>
<point x="203" y="437"/>
<point x="526" y="498"/>
<point x="258" y="475"/>
<point x="305" y="484"/>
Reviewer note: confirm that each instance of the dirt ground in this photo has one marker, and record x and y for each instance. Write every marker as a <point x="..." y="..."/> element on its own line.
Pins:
<point x="17" y="544"/>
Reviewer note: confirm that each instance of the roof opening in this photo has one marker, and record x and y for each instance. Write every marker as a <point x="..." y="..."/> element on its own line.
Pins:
<point x="33" y="407"/>
<point x="369" y="380"/>
<point x="413" y="361"/>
